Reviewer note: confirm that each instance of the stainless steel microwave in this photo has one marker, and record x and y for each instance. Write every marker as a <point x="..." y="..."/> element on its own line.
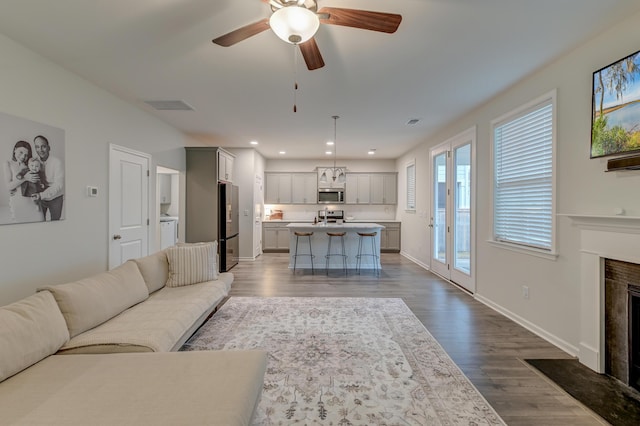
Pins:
<point x="330" y="196"/>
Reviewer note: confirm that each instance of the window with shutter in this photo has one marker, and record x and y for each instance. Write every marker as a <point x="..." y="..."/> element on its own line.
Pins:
<point x="411" y="185"/>
<point x="523" y="176"/>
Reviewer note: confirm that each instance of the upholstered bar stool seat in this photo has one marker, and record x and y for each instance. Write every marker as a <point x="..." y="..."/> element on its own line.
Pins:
<point x="361" y="253"/>
<point x="299" y="234"/>
<point x="342" y="254"/>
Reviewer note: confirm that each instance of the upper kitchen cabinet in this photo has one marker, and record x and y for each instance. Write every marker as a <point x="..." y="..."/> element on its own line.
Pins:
<point x="384" y="188"/>
<point x="357" y="190"/>
<point x="277" y="188"/>
<point x="225" y="166"/>
<point x="304" y="188"/>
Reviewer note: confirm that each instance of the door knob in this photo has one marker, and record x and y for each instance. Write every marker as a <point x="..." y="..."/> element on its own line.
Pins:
<point x="117" y="237"/>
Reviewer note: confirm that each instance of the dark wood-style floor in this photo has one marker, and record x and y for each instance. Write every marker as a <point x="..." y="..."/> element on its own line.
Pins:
<point x="487" y="346"/>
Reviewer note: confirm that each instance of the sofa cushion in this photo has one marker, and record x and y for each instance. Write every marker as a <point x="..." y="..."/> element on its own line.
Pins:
<point x="156" y="325"/>
<point x="30" y="330"/>
<point x="217" y="388"/>
<point x="192" y="264"/>
<point x="154" y="269"/>
<point x="91" y="301"/>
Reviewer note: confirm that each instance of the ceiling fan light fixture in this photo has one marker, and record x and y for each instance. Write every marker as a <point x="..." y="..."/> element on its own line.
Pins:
<point x="294" y="24"/>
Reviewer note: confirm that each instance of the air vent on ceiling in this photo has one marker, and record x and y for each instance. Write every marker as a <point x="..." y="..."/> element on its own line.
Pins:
<point x="413" y="122"/>
<point x="169" y="105"/>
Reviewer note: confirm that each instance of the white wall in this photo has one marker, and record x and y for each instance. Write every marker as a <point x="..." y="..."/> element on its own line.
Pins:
<point x="247" y="164"/>
<point x="582" y="187"/>
<point x="36" y="89"/>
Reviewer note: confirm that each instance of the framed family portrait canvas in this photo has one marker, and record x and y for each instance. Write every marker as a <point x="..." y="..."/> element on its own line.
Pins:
<point x="32" y="157"/>
<point x="615" y="118"/>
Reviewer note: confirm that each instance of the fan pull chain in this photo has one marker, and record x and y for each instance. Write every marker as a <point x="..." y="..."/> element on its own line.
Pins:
<point x="295" y="77"/>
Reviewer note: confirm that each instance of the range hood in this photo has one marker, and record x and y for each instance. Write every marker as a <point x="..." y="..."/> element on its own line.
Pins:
<point x="624" y="163"/>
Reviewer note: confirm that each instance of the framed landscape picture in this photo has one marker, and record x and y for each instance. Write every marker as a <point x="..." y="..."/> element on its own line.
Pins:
<point x="615" y="119"/>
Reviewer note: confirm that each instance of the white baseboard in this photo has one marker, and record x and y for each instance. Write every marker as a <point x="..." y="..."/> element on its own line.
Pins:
<point x="590" y="357"/>
<point x="247" y="259"/>
<point x="549" y="337"/>
<point x="414" y="260"/>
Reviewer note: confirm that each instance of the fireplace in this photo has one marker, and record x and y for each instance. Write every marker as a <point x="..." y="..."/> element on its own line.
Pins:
<point x="622" y="326"/>
<point x="616" y="238"/>
<point x="634" y="335"/>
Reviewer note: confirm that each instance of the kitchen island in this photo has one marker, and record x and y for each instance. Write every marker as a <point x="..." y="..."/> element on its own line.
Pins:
<point x="320" y="242"/>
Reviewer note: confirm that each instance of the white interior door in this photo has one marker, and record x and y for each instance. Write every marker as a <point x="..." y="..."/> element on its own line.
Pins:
<point x="453" y="215"/>
<point x="128" y="205"/>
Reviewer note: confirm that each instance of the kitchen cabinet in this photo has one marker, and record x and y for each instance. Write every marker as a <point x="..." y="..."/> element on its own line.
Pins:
<point x="275" y="237"/>
<point x="390" y="237"/>
<point x="357" y="189"/>
<point x="277" y="188"/>
<point x="304" y="188"/>
<point x="225" y="166"/>
<point x="165" y="188"/>
<point x="384" y="188"/>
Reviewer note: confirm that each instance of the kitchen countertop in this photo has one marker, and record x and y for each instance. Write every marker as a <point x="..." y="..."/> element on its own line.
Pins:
<point x="335" y="226"/>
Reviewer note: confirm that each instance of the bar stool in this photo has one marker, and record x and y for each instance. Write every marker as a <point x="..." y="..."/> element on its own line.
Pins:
<point x="299" y="234"/>
<point x="342" y="253"/>
<point x="374" y="251"/>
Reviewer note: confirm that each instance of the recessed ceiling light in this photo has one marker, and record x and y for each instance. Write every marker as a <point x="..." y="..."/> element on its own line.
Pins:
<point x="254" y="142"/>
<point x="328" y="152"/>
<point x="371" y="151"/>
<point x="330" y="143"/>
<point x="282" y="152"/>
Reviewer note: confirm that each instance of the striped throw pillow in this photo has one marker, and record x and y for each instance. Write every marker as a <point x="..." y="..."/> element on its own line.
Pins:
<point x="192" y="264"/>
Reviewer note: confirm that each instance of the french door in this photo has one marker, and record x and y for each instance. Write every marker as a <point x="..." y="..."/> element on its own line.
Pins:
<point x="453" y="209"/>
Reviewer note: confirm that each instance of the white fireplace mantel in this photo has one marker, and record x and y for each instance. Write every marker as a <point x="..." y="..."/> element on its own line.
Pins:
<point x="605" y="223"/>
<point x="601" y="237"/>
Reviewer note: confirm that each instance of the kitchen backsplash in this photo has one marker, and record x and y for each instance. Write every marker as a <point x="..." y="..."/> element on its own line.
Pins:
<point x="307" y="213"/>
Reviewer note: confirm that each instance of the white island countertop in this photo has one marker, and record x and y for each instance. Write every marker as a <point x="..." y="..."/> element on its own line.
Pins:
<point x="348" y="226"/>
<point x="320" y="245"/>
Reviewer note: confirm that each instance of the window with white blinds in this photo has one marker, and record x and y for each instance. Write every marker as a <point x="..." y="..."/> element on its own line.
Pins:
<point x="411" y="186"/>
<point x="523" y="181"/>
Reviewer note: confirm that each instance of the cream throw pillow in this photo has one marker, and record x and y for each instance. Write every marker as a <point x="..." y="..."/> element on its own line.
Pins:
<point x="192" y="264"/>
<point x="30" y="330"/>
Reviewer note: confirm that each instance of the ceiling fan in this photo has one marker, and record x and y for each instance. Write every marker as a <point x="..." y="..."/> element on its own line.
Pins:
<point x="296" y="22"/>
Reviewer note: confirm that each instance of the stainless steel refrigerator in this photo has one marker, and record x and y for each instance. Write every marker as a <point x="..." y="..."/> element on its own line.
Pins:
<point x="228" y="231"/>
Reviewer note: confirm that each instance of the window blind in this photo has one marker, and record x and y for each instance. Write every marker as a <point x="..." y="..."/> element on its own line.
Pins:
<point x="523" y="178"/>
<point x="411" y="186"/>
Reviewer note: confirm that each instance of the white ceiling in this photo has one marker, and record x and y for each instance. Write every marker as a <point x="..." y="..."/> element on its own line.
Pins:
<point x="447" y="57"/>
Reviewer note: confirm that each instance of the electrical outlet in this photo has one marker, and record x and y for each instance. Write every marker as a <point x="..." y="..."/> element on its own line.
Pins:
<point x="525" y="291"/>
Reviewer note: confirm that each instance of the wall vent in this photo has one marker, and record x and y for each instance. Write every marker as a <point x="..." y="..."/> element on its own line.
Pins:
<point x="169" y="105"/>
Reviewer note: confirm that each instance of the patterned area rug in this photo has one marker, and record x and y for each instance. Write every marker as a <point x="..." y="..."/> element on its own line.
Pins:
<point x="346" y="361"/>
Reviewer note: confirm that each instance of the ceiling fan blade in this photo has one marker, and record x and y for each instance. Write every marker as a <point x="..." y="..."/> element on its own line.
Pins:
<point x="363" y="19"/>
<point x="243" y="33"/>
<point x="311" y="54"/>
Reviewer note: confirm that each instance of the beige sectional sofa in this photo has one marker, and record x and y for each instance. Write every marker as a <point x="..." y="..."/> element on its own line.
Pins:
<point x="71" y="353"/>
